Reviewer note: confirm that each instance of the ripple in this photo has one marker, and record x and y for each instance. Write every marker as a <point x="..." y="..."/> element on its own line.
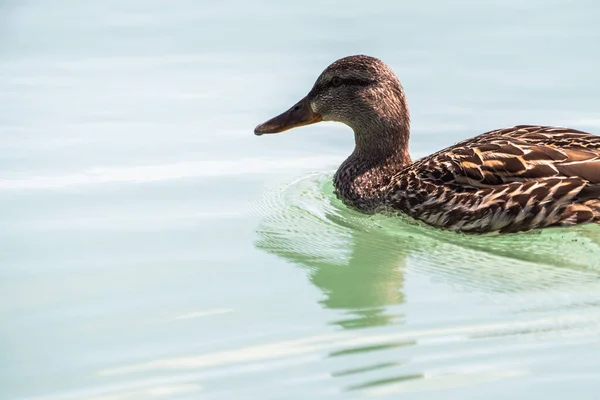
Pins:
<point x="303" y="222"/>
<point x="542" y="287"/>
<point x="157" y="172"/>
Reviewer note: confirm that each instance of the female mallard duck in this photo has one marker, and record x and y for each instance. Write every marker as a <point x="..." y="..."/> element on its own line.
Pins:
<point x="507" y="180"/>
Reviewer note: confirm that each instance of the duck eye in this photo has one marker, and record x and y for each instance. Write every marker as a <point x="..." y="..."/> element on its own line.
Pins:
<point x="336" y="81"/>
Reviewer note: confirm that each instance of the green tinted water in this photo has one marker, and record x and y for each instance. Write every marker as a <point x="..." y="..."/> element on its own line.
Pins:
<point x="153" y="247"/>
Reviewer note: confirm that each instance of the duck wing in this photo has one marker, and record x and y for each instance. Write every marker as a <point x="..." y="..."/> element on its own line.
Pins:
<point x="512" y="179"/>
<point x="517" y="154"/>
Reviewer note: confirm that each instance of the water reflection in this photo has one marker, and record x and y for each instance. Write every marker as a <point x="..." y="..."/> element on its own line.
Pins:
<point x="363" y="264"/>
<point x="359" y="261"/>
<point x="359" y="268"/>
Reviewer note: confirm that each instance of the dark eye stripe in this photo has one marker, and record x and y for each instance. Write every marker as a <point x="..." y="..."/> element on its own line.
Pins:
<point x="324" y="86"/>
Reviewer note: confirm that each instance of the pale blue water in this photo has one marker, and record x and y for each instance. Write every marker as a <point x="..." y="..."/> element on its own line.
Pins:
<point x="152" y="247"/>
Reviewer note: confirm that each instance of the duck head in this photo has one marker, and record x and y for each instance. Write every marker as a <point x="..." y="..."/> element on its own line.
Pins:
<point x="359" y="91"/>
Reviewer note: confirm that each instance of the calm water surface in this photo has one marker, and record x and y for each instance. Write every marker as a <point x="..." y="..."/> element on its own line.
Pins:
<point x="152" y="247"/>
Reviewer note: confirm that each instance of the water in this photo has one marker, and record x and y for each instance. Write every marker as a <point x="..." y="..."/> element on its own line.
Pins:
<point x="153" y="247"/>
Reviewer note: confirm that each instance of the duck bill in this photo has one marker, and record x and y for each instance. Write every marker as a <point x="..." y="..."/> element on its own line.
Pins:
<point x="299" y="115"/>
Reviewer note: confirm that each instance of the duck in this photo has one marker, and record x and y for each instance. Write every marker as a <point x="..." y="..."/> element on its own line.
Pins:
<point x="507" y="180"/>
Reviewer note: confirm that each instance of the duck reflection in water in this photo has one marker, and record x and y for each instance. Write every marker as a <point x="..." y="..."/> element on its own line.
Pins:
<point x="359" y="262"/>
<point x="358" y="267"/>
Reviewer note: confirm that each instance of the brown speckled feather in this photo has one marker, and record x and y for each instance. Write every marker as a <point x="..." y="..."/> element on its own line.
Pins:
<point x="506" y="180"/>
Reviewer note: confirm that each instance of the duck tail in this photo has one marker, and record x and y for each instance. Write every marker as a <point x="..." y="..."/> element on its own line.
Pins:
<point x="594" y="205"/>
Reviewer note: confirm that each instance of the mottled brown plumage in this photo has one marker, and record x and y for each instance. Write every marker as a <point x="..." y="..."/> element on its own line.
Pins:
<point x="508" y="180"/>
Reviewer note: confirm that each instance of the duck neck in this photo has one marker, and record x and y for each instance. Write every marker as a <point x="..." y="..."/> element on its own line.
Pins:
<point x="382" y="127"/>
<point x="381" y="151"/>
<point x="383" y="143"/>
